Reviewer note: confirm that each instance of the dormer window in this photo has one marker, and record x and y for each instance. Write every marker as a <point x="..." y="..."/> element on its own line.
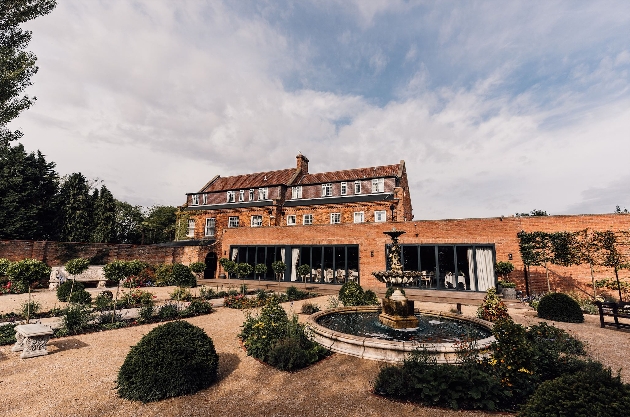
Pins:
<point x="357" y="187"/>
<point x="230" y="197"/>
<point x="205" y="199"/>
<point x="262" y="193"/>
<point x="195" y="200"/>
<point x="241" y="195"/>
<point x="251" y="195"/>
<point x="326" y="190"/>
<point x="344" y="188"/>
<point x="296" y="192"/>
<point x="378" y="185"/>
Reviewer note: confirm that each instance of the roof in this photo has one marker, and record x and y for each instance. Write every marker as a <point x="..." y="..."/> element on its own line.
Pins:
<point x="350" y="174"/>
<point x="256" y="180"/>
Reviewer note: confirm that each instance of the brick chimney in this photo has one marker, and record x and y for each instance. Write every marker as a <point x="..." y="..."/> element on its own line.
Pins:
<point x="302" y="164"/>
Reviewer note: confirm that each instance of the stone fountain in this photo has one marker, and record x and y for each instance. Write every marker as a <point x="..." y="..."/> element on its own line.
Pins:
<point x="398" y="311"/>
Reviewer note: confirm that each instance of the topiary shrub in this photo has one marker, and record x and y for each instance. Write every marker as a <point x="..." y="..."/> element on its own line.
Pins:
<point x="351" y="294"/>
<point x="63" y="290"/>
<point x="81" y="297"/>
<point x="560" y="307"/>
<point x="173" y="359"/>
<point x="168" y="311"/>
<point x="594" y="392"/>
<point x="492" y="309"/>
<point x="182" y="276"/>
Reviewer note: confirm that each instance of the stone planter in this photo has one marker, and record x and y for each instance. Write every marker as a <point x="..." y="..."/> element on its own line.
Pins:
<point x="509" y="293"/>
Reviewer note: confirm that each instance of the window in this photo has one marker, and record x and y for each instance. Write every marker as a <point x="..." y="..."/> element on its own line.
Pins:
<point x="233" y="221"/>
<point x="297" y="191"/>
<point x="358" y="217"/>
<point x="194" y="200"/>
<point x="380" y="216"/>
<point x="344" y="188"/>
<point x="357" y="187"/>
<point x="230" y="196"/>
<point x="210" y="225"/>
<point x="251" y="195"/>
<point x="205" y="199"/>
<point x="191" y="228"/>
<point x="256" y="221"/>
<point x="335" y="218"/>
<point x="291" y="220"/>
<point x="262" y="193"/>
<point x="378" y="185"/>
<point x="241" y="195"/>
<point x="307" y="219"/>
<point x="326" y="190"/>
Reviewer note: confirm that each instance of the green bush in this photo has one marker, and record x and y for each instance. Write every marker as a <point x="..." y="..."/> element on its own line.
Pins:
<point x="30" y="308"/>
<point x="492" y="309"/>
<point x="198" y="307"/>
<point x="81" y="297"/>
<point x="207" y="293"/>
<point x="181" y="294"/>
<point x="592" y="392"/>
<point x="182" y="276"/>
<point x="146" y="313"/>
<point x="560" y="307"/>
<point x="25" y="273"/>
<point x="63" y="290"/>
<point x="168" y="311"/>
<point x="310" y="308"/>
<point x="7" y="333"/>
<point x="103" y="300"/>
<point x="351" y="294"/>
<point x="75" y="320"/>
<point x="77" y="266"/>
<point x="164" y="275"/>
<point x="173" y="359"/>
<point x="288" y="355"/>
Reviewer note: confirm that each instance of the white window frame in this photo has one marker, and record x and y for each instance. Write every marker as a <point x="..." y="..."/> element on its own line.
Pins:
<point x="335" y="218"/>
<point x="231" y="197"/>
<point x="359" y="217"/>
<point x="307" y="219"/>
<point x="327" y="190"/>
<point x="241" y="195"/>
<point x="194" y="200"/>
<point x="344" y="188"/>
<point x="380" y="216"/>
<point x="251" y="194"/>
<point x="204" y="198"/>
<point x="296" y="192"/>
<point x="263" y="192"/>
<point x="378" y="185"/>
<point x="232" y="222"/>
<point x="291" y="220"/>
<point x="357" y="187"/>
<point x="210" y="228"/>
<point x="191" y="228"/>
<point x="256" y="220"/>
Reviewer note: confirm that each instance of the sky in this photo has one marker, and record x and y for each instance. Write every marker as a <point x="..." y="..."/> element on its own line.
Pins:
<point x="496" y="107"/>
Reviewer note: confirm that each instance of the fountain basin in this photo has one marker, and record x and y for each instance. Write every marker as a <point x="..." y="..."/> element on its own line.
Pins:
<point x="374" y="348"/>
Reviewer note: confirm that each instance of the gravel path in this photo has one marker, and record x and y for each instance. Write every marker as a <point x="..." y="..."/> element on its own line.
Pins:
<point x="78" y="377"/>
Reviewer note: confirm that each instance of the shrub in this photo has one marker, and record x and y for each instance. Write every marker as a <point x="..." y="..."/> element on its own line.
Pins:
<point x="146" y="313"/>
<point x="63" y="290"/>
<point x="310" y="308"/>
<point x="77" y="266"/>
<point x="260" y="333"/>
<point x="207" y="293"/>
<point x="168" y="311"/>
<point x="182" y="276"/>
<point x="294" y="294"/>
<point x="75" y="320"/>
<point x="23" y="274"/>
<point x="164" y="275"/>
<point x="29" y="308"/>
<point x="197" y="268"/>
<point x="138" y="297"/>
<point x="181" y="294"/>
<point x="594" y="392"/>
<point x="81" y="297"/>
<point x="492" y="309"/>
<point x="198" y="307"/>
<point x="351" y="294"/>
<point x="173" y="359"/>
<point x="103" y="300"/>
<point x="288" y="355"/>
<point x="560" y="307"/>
<point x="7" y="333"/>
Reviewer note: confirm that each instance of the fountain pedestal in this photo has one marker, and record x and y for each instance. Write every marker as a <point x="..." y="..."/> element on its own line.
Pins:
<point x="398" y="312"/>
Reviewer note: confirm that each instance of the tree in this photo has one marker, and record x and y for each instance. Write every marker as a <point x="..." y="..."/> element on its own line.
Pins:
<point x="260" y="269"/>
<point x="279" y="268"/>
<point x="504" y="269"/>
<point x="610" y="253"/>
<point x="243" y="269"/>
<point x="75" y="209"/>
<point x="536" y="250"/>
<point x="17" y="66"/>
<point x="533" y="213"/>
<point x="75" y="267"/>
<point x="28" y="185"/>
<point x="23" y="274"/>
<point x="128" y="223"/>
<point x="104" y="220"/>
<point x="159" y="225"/>
<point x="303" y="271"/>
<point x="228" y="265"/>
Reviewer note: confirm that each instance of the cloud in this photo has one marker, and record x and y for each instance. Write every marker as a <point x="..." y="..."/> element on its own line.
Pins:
<point x="495" y="110"/>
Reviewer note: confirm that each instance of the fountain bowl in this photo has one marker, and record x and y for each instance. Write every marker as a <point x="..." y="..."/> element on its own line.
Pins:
<point x="390" y="350"/>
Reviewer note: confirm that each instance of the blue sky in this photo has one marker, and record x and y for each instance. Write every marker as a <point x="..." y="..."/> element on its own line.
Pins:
<point x="496" y="107"/>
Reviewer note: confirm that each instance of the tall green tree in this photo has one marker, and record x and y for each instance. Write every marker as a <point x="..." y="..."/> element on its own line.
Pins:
<point x="159" y="225"/>
<point x="128" y="223"/>
<point x="104" y="220"/>
<point x="28" y="185"/>
<point x="17" y="66"/>
<point x="75" y="209"/>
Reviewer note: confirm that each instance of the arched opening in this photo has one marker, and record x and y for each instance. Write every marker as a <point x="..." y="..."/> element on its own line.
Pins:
<point x="211" y="266"/>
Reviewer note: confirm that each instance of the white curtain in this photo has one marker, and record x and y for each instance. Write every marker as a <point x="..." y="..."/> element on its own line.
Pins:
<point x="234" y="254"/>
<point x="471" y="270"/>
<point x="295" y="255"/>
<point x="485" y="268"/>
